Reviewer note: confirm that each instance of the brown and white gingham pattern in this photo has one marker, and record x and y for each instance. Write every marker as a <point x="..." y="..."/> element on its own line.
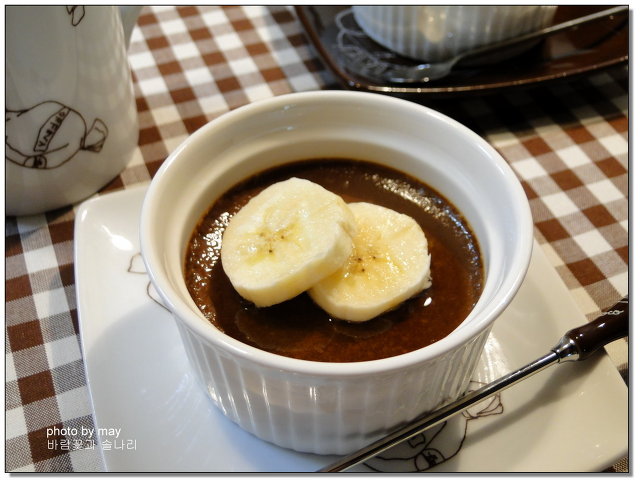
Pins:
<point x="568" y="143"/>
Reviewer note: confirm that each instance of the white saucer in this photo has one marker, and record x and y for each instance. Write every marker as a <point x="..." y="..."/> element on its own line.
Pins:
<point x="572" y="417"/>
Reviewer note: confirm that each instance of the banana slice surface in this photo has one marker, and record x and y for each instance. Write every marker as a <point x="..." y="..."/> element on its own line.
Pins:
<point x="285" y="239"/>
<point x="390" y="263"/>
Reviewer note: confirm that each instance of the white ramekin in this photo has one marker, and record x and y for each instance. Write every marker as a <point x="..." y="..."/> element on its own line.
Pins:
<point x="439" y="32"/>
<point x="334" y="408"/>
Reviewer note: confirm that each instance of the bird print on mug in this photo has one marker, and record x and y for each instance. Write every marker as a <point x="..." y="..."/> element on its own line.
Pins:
<point x="49" y="134"/>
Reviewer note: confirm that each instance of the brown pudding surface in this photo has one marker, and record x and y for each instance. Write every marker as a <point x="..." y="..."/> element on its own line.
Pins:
<point x="298" y="328"/>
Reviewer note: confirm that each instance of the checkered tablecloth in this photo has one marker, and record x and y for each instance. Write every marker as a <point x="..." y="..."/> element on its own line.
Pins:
<point x="567" y="141"/>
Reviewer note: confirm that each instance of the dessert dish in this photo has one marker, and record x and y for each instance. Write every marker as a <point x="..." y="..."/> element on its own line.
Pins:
<point x="318" y="406"/>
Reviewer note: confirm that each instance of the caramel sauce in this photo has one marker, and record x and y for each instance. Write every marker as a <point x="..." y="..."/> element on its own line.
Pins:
<point x="298" y="328"/>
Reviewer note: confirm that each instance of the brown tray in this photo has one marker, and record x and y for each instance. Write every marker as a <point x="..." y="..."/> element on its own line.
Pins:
<point x="582" y="50"/>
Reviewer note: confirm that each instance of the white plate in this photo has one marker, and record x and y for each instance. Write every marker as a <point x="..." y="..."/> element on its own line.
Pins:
<point x="572" y="417"/>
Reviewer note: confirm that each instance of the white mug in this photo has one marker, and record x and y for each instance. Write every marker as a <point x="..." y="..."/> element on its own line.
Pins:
<point x="70" y="113"/>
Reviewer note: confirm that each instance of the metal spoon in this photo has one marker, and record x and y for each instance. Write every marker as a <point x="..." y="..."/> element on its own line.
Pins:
<point x="576" y="345"/>
<point x="432" y="71"/>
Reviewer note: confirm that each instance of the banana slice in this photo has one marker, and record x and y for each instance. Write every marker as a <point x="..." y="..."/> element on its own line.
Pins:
<point x="284" y="240"/>
<point x="389" y="264"/>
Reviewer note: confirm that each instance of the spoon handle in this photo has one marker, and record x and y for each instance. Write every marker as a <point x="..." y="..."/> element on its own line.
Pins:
<point x="580" y="343"/>
<point x="576" y="345"/>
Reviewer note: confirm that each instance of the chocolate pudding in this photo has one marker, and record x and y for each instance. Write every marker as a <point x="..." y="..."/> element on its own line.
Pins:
<point x="298" y="328"/>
